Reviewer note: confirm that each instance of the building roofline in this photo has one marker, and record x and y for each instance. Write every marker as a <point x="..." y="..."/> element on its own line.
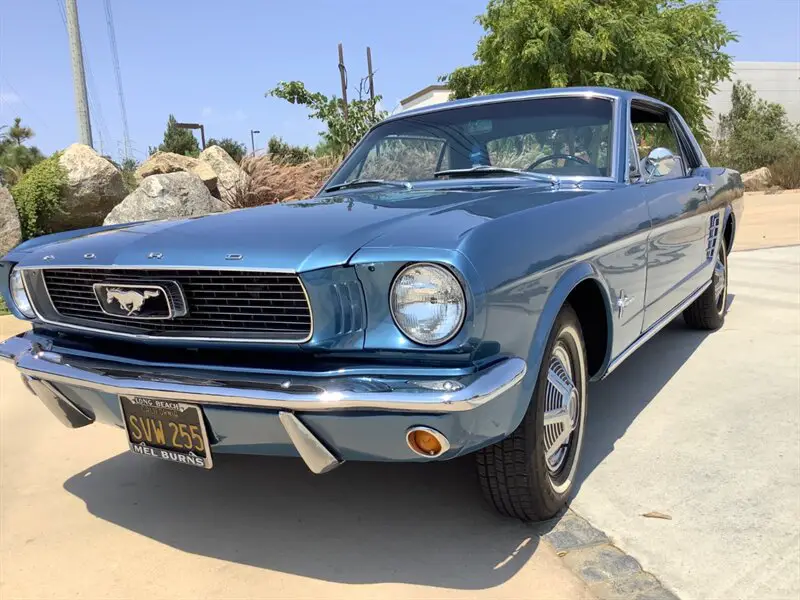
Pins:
<point x="431" y="88"/>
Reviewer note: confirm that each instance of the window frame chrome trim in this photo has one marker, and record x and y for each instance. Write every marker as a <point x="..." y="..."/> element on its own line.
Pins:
<point x="533" y="95"/>
<point x="147" y="337"/>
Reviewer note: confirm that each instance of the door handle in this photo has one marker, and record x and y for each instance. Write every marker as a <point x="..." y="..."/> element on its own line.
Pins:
<point x="704" y="187"/>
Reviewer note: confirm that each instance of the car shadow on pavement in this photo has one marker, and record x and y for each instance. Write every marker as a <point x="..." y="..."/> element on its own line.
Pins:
<point x="422" y="524"/>
<point x="615" y="402"/>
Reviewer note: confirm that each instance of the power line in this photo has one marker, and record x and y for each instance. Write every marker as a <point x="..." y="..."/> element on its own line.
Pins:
<point x="118" y="74"/>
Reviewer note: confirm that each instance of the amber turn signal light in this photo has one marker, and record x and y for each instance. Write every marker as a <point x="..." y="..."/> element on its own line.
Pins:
<point x="426" y="442"/>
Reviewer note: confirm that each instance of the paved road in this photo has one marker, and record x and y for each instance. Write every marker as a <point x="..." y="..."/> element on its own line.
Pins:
<point x="80" y="517"/>
<point x="706" y="428"/>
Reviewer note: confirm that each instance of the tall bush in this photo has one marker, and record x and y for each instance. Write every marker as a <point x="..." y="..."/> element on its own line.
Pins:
<point x="341" y="133"/>
<point x="286" y="153"/>
<point x="38" y="195"/>
<point x="754" y="134"/>
<point x="236" y="150"/>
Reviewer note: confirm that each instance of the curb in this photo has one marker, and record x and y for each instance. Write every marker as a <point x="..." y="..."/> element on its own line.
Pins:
<point x="608" y="572"/>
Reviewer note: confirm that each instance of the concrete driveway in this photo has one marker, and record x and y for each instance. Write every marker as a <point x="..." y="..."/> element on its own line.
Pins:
<point x="81" y="517"/>
<point x="706" y="428"/>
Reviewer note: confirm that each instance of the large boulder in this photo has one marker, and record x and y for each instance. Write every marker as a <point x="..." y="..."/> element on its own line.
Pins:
<point x="94" y="187"/>
<point x="165" y="196"/>
<point x="757" y="180"/>
<point x="10" y="232"/>
<point x="169" y="162"/>
<point x="230" y="176"/>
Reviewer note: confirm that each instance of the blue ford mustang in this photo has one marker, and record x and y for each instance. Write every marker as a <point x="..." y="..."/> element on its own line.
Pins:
<point x="453" y="288"/>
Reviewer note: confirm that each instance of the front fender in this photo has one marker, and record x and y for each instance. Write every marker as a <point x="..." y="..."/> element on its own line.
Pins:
<point x="558" y="295"/>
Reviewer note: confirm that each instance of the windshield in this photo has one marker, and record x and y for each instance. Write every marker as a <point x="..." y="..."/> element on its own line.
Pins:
<point x="563" y="136"/>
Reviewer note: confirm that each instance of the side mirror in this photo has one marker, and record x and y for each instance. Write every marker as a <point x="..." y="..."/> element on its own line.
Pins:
<point x="660" y="162"/>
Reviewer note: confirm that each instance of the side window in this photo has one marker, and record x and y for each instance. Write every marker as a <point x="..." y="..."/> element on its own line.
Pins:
<point x="412" y="158"/>
<point x="652" y="131"/>
<point x="633" y="157"/>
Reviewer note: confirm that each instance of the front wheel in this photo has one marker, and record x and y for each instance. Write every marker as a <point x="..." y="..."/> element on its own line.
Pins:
<point x="530" y="474"/>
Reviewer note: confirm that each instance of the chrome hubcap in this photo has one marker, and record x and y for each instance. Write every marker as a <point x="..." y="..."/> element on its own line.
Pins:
<point x="720" y="282"/>
<point x="561" y="410"/>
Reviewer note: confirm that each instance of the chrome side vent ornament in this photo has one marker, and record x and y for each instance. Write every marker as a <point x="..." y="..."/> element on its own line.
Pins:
<point x="713" y="234"/>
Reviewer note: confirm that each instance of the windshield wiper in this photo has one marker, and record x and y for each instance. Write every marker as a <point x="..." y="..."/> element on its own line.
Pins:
<point x="365" y="182"/>
<point x="489" y="170"/>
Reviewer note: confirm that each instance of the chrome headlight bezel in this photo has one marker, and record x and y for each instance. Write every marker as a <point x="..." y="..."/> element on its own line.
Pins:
<point x="19" y="295"/>
<point x="456" y="285"/>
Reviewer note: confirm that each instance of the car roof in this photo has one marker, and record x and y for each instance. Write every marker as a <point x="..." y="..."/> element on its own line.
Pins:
<point x="601" y="92"/>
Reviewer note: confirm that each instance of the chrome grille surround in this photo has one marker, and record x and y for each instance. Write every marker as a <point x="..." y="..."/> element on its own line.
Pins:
<point x="231" y="305"/>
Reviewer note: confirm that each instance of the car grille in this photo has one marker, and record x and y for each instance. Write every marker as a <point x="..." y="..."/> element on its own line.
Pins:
<point x="220" y="303"/>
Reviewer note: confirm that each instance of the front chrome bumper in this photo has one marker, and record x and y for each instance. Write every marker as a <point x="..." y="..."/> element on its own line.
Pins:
<point x="45" y="367"/>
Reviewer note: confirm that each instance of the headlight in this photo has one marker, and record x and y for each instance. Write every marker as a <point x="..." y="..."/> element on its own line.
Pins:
<point x="427" y="303"/>
<point x="19" y="295"/>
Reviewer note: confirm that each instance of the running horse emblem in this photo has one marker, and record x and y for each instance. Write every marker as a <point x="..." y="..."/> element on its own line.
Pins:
<point x="130" y="300"/>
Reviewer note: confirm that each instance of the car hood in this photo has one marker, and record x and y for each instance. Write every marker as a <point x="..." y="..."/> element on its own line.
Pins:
<point x="297" y="236"/>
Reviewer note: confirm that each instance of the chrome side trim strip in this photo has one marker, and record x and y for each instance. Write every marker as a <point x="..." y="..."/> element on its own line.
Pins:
<point x="316" y="456"/>
<point x="654" y="329"/>
<point x="147" y="337"/>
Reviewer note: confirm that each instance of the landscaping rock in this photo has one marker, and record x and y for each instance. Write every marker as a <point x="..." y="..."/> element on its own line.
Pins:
<point x="229" y="175"/>
<point x="94" y="186"/>
<point x="10" y="232"/>
<point x="757" y="181"/>
<point x="165" y="196"/>
<point x="169" y="162"/>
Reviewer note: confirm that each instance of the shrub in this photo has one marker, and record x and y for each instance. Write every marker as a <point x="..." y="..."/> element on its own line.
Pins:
<point x="236" y="150"/>
<point x="270" y="182"/>
<point x="281" y="152"/>
<point x="38" y="195"/>
<point x="754" y="134"/>
<point x="786" y="171"/>
<point x="3" y="308"/>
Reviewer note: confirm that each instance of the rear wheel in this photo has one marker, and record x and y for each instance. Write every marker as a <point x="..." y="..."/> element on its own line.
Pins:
<point x="530" y="474"/>
<point x="708" y="311"/>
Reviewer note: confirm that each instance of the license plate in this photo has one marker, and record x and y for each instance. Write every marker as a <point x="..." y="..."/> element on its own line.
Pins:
<point x="173" y="431"/>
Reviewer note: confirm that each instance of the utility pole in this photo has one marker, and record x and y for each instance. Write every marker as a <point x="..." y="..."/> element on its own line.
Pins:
<point x="369" y="71"/>
<point x="78" y="74"/>
<point x="343" y="77"/>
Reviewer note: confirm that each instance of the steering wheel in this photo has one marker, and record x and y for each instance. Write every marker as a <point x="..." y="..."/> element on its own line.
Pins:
<point x="577" y="159"/>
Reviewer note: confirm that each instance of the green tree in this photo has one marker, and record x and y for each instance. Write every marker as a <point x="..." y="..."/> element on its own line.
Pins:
<point x="177" y="140"/>
<point x="287" y="153"/>
<point x="341" y="134"/>
<point x="668" y="49"/>
<point x="15" y="158"/>
<point x="755" y="133"/>
<point x="236" y="150"/>
<point x="19" y="133"/>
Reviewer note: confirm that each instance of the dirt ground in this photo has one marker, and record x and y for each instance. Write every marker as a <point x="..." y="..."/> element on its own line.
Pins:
<point x="769" y="220"/>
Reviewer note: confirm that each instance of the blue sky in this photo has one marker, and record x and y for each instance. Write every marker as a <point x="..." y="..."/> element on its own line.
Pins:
<point x="212" y="61"/>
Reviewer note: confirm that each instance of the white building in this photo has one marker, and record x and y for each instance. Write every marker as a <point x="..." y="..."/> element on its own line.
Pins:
<point x="433" y="94"/>
<point x="773" y="81"/>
